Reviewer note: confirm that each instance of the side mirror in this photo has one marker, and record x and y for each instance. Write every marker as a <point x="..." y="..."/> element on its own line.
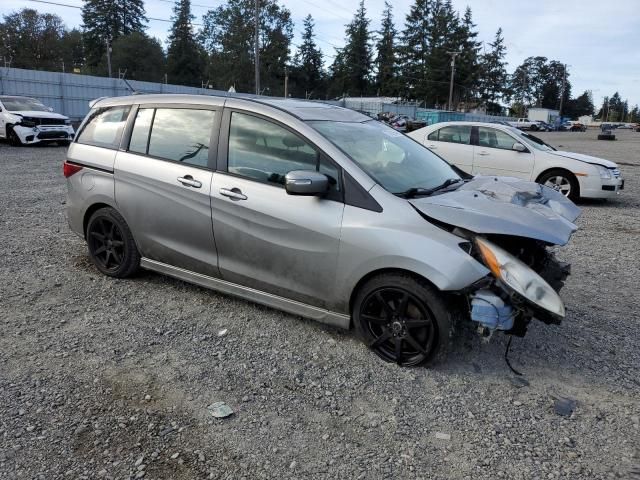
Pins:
<point x="518" y="147"/>
<point x="306" y="182"/>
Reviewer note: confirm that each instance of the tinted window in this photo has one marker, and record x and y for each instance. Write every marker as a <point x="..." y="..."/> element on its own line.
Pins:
<point x="455" y="134"/>
<point x="140" y="134"/>
<point x="266" y="152"/>
<point x="181" y="135"/>
<point x="104" y="126"/>
<point x="493" y="138"/>
<point x="433" y="136"/>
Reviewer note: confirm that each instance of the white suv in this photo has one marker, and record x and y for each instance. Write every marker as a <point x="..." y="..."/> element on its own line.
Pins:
<point x="25" y="121"/>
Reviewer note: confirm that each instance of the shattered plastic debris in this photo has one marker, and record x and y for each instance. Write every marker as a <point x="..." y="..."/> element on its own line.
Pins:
<point x="564" y="406"/>
<point x="443" y="436"/>
<point x="222" y="332"/>
<point x="220" y="410"/>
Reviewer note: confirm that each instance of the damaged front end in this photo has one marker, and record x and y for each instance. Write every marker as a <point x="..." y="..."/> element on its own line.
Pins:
<point x="509" y="225"/>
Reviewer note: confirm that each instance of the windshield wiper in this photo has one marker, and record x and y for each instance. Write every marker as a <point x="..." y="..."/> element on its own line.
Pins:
<point x="419" y="191"/>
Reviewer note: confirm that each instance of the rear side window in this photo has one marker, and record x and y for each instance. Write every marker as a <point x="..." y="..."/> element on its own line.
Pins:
<point x="105" y="126"/>
<point x="453" y="134"/>
<point x="175" y="134"/>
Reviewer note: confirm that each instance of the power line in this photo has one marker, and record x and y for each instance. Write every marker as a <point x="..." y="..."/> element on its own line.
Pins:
<point x="80" y="8"/>
<point x="195" y="4"/>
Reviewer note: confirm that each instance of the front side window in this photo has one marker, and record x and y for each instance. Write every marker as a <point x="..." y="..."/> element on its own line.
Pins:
<point x="264" y="151"/>
<point x="493" y="138"/>
<point x="455" y="134"/>
<point x="104" y="126"/>
<point x="392" y="159"/>
<point x="180" y="135"/>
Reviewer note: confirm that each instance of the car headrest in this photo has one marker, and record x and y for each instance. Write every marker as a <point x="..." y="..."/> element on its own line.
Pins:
<point x="292" y="141"/>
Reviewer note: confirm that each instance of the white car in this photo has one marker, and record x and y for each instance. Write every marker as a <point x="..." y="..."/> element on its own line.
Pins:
<point x="493" y="149"/>
<point x="25" y="121"/>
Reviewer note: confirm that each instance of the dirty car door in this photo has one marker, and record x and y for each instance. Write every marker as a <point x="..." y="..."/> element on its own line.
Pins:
<point x="163" y="182"/>
<point x="283" y="244"/>
<point x="494" y="155"/>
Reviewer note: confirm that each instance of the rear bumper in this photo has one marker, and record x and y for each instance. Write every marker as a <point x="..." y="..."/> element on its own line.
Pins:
<point x="44" y="133"/>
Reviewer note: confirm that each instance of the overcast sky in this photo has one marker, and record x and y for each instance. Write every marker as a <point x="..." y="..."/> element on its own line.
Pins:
<point x="599" y="40"/>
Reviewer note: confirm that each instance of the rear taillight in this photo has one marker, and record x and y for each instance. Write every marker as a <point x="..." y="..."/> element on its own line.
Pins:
<point x="69" y="169"/>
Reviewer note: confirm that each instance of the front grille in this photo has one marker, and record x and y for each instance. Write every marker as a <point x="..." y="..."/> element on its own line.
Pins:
<point x="52" y="135"/>
<point x="615" y="172"/>
<point x="45" y="121"/>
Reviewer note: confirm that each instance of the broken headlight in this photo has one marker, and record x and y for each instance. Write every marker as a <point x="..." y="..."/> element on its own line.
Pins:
<point x="519" y="277"/>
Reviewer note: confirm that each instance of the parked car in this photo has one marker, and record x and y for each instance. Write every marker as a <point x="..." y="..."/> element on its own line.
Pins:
<point x="318" y="211"/>
<point x="525" y="124"/>
<point x="625" y="126"/>
<point x="544" y="126"/>
<point x="26" y="121"/>
<point x="490" y="149"/>
<point x="573" y="127"/>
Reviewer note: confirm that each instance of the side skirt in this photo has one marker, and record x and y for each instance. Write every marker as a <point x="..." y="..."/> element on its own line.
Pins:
<point x="257" y="296"/>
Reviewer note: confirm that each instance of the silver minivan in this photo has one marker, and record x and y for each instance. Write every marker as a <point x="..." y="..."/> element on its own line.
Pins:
<point x="319" y="211"/>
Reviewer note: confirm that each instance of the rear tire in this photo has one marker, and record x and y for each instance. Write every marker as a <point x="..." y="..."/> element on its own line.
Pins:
<point x="112" y="248"/>
<point x="404" y="320"/>
<point x="563" y="181"/>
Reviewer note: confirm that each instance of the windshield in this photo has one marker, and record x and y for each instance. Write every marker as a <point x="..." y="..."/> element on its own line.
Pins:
<point x="392" y="159"/>
<point x="533" y="141"/>
<point x="21" y="104"/>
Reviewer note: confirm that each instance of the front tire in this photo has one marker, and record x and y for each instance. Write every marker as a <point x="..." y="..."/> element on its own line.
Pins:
<point x="402" y="319"/>
<point x="112" y="248"/>
<point x="563" y="181"/>
<point x="14" y="139"/>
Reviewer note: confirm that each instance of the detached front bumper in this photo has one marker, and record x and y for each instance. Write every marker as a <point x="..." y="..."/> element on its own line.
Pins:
<point x="44" y="133"/>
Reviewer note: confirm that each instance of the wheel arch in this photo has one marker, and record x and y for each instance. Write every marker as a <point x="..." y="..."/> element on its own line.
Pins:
<point x="90" y="211"/>
<point x="559" y="169"/>
<point x="382" y="271"/>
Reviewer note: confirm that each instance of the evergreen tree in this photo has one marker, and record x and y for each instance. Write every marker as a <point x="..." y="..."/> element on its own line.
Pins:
<point x="308" y="76"/>
<point x="186" y="60"/>
<point x="386" y="61"/>
<point x="414" y="50"/>
<point x="72" y="45"/>
<point x="493" y="81"/>
<point x="581" y="105"/>
<point x="352" y="67"/>
<point x="107" y="20"/>
<point x="467" y="63"/>
<point x="139" y="57"/>
<point x="228" y="34"/>
<point x="442" y="41"/>
<point x="33" y="40"/>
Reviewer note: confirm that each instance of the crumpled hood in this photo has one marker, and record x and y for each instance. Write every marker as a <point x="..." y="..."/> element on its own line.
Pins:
<point x="504" y="205"/>
<point x="585" y="158"/>
<point x="37" y="114"/>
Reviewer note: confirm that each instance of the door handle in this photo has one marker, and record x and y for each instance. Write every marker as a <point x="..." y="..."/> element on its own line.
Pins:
<point x="233" y="193"/>
<point x="432" y="147"/>
<point x="188" y="181"/>
<point x="483" y="153"/>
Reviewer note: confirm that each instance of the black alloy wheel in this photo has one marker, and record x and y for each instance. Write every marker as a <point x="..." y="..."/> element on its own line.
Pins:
<point x="396" y="321"/>
<point x="111" y="245"/>
<point x="14" y="139"/>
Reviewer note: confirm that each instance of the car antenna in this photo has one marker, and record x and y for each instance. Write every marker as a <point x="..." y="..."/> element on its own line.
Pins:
<point x="506" y="358"/>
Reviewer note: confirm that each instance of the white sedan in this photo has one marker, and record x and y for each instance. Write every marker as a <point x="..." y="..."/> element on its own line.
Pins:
<point x="494" y="149"/>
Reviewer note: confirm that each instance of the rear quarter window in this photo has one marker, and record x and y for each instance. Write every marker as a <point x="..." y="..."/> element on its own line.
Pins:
<point x="104" y="127"/>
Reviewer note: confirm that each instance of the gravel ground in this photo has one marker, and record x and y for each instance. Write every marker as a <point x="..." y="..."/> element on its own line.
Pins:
<point x="103" y="378"/>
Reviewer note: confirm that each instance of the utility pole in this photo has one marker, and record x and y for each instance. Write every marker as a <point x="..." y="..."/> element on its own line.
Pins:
<point x="286" y="82"/>
<point x="564" y="79"/>
<point x="109" y="56"/>
<point x="453" y="69"/>
<point x="256" y="46"/>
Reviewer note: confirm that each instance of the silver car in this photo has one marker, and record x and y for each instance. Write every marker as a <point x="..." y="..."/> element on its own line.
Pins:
<point x="319" y="211"/>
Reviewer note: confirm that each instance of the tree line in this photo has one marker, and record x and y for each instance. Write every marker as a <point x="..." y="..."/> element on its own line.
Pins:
<point x="411" y="63"/>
